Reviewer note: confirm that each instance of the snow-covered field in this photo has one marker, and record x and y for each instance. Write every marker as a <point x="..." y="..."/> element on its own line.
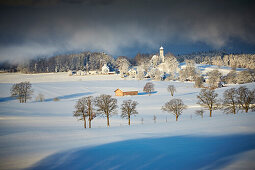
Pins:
<point x="45" y="135"/>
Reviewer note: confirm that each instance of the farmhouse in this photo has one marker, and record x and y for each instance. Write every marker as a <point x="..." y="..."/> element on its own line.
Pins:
<point x="119" y="92"/>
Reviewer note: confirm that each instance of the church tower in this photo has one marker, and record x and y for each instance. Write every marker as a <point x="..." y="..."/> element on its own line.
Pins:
<point x="161" y="54"/>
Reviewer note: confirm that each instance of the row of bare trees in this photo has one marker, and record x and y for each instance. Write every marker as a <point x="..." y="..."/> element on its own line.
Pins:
<point x="234" y="99"/>
<point x="87" y="108"/>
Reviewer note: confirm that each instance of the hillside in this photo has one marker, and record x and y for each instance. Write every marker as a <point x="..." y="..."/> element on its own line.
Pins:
<point x="33" y="131"/>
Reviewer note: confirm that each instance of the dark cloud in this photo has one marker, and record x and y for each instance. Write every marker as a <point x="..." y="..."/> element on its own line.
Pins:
<point x="43" y="3"/>
<point x="34" y="27"/>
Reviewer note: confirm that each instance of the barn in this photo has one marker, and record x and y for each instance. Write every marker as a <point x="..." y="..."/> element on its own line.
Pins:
<point x="119" y="92"/>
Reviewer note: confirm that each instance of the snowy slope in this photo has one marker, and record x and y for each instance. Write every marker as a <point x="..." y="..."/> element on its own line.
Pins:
<point x="32" y="131"/>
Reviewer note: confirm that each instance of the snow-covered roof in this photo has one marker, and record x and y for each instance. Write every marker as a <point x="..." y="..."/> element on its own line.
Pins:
<point x="126" y="89"/>
<point x="132" y="69"/>
<point x="105" y="66"/>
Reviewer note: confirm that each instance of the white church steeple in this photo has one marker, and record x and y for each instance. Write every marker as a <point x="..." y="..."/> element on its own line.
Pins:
<point x="161" y="54"/>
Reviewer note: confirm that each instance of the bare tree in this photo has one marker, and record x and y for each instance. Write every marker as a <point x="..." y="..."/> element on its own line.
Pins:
<point x="245" y="77"/>
<point x="142" y="120"/>
<point x="182" y="75"/>
<point x="154" y="118"/>
<point x="214" y="77"/>
<point x="106" y="105"/>
<point x="155" y="74"/>
<point x="140" y="73"/>
<point x="171" y="63"/>
<point x="207" y="98"/>
<point x="90" y="111"/>
<point x="176" y="106"/>
<point x="171" y="89"/>
<point x="200" y="112"/>
<point x="199" y="82"/>
<point x="148" y="88"/>
<point x="128" y="108"/>
<point x="230" y="102"/>
<point x="190" y="70"/>
<point x="245" y="98"/>
<point x="22" y="91"/>
<point x="122" y="64"/>
<point x="231" y="77"/>
<point x="84" y="108"/>
<point x="40" y="97"/>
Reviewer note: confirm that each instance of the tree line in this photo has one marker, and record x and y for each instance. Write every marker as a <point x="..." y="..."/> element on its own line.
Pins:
<point x="234" y="99"/>
<point x="87" y="61"/>
<point x="87" y="108"/>
<point x="221" y="58"/>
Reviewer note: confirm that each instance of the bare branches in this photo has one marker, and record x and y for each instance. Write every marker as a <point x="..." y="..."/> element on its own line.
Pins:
<point x="214" y="77"/>
<point x="245" y="98"/>
<point x="200" y="112"/>
<point x="199" y="82"/>
<point x="171" y="89"/>
<point x="128" y="108"/>
<point x="176" y="106"/>
<point x="148" y="88"/>
<point x="207" y="98"/>
<point x="106" y="105"/>
<point x="22" y="91"/>
<point x="84" y="108"/>
<point x="230" y="102"/>
<point x="40" y="97"/>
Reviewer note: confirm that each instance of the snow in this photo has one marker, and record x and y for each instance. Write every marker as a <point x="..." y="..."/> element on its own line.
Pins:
<point x="205" y="68"/>
<point x="44" y="135"/>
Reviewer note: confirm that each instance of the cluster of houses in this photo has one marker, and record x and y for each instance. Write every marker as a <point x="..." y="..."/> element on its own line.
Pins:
<point x="132" y="72"/>
<point x="105" y="70"/>
<point x="158" y="65"/>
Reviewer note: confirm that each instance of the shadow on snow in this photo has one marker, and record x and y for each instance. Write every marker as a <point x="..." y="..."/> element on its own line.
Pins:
<point x="144" y="93"/>
<point x="5" y="99"/>
<point x="180" y="152"/>
<point x="184" y="94"/>
<point x="69" y="96"/>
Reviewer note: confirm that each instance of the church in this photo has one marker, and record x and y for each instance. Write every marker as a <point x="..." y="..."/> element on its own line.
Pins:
<point x="163" y="64"/>
<point x="156" y="60"/>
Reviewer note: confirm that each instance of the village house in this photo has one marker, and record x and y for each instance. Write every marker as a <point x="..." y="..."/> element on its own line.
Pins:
<point x="132" y="72"/>
<point x="119" y="92"/>
<point x="105" y="69"/>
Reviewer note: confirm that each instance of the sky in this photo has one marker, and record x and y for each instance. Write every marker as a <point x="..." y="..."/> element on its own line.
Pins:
<point x="32" y="28"/>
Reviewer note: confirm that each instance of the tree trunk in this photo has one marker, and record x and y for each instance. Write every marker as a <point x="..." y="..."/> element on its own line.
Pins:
<point x="129" y="120"/>
<point x="210" y="112"/>
<point x="89" y="120"/>
<point x="176" y="118"/>
<point x="246" y="109"/>
<point x="108" y="121"/>
<point x="84" y="119"/>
